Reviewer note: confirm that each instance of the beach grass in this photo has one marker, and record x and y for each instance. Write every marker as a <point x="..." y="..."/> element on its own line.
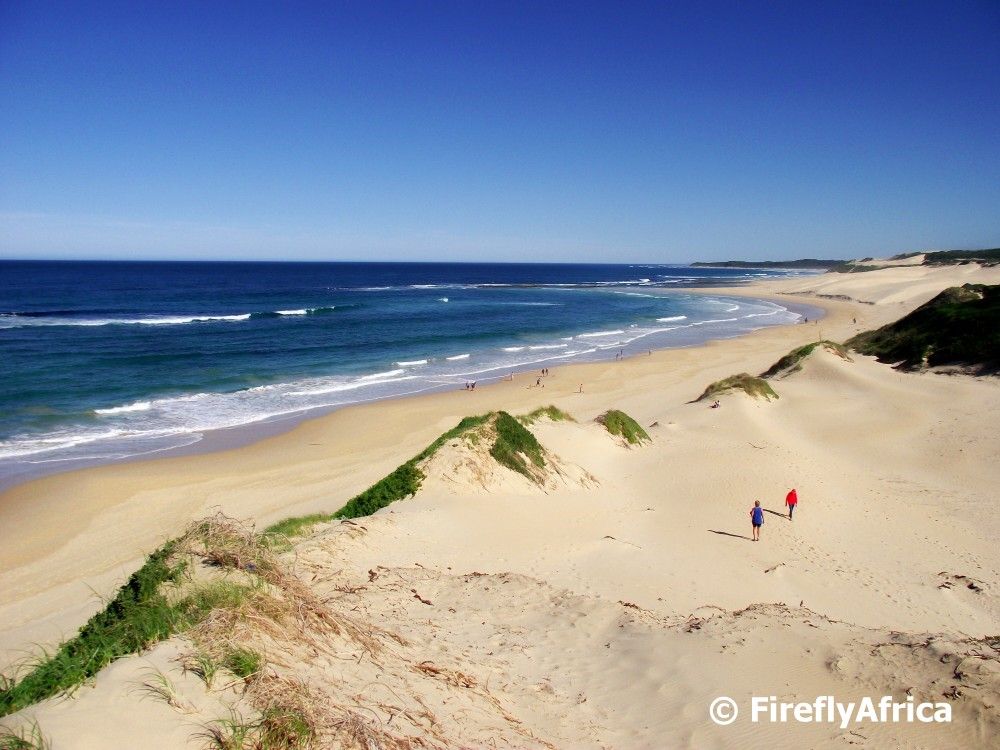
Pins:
<point x="514" y="443"/>
<point x="243" y="662"/>
<point x="753" y="386"/>
<point x="144" y="612"/>
<point x="138" y="616"/>
<point x="403" y="482"/>
<point x="547" y="412"/>
<point x="28" y="737"/>
<point x="147" y="609"/>
<point x="622" y="425"/>
<point x="792" y="362"/>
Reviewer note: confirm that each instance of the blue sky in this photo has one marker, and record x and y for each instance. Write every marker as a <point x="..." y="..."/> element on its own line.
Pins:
<point x="666" y="132"/>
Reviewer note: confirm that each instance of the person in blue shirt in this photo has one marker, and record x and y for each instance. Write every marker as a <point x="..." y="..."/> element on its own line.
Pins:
<point x="757" y="519"/>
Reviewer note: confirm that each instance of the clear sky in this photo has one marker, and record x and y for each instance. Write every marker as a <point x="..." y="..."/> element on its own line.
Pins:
<point x="666" y="132"/>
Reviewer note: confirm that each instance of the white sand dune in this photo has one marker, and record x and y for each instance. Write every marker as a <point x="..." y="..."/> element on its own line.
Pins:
<point x="609" y="606"/>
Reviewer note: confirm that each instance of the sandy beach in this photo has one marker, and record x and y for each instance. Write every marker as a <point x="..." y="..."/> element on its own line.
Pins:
<point x="609" y="605"/>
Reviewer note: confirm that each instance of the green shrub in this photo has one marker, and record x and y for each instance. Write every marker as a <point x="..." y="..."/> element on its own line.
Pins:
<point x="961" y="326"/>
<point x="792" y="362"/>
<point x="621" y="424"/>
<point x="752" y="386"/>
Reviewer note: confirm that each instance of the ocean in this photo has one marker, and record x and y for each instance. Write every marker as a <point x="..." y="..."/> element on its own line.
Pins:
<point x="104" y="361"/>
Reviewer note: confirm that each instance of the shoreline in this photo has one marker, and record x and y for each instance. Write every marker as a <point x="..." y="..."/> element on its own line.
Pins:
<point x="238" y="436"/>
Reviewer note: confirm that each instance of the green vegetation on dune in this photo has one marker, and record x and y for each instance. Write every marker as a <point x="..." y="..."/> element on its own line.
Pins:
<point x="467" y="423"/>
<point x="800" y="263"/>
<point x="403" y="482"/>
<point x="961" y="326"/>
<point x="752" y="386"/>
<point x="136" y="618"/>
<point x="758" y="387"/>
<point x="151" y="606"/>
<point x="297" y="525"/>
<point x="549" y="412"/>
<point x="29" y="737"/>
<point x="514" y="442"/>
<point x="160" y="600"/>
<point x="243" y="662"/>
<point x="989" y="257"/>
<point x="620" y="424"/>
<point x="792" y="362"/>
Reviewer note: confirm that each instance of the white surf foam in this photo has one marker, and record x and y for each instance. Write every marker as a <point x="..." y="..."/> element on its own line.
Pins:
<point x="137" y="406"/>
<point x="594" y="334"/>
<point x="383" y="375"/>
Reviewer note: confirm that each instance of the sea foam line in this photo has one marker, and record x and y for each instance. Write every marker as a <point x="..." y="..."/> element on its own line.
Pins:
<point x="15" y="320"/>
<point x="137" y="406"/>
<point x="600" y="333"/>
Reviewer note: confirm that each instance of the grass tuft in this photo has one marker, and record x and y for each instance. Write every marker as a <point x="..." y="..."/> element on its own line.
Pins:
<point x="28" y="737"/>
<point x="792" y="362"/>
<point x="622" y="425"/>
<point x="548" y="412"/>
<point x="160" y="687"/>
<point x="202" y="665"/>
<point x="243" y="662"/>
<point x="752" y="386"/>
<point x="298" y="525"/>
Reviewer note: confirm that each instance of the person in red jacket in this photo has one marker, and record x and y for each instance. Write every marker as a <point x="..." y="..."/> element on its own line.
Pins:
<point x="791" y="500"/>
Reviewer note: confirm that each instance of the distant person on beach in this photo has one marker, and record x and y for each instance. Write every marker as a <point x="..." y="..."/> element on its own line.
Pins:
<point x="716" y="405"/>
<point x="580" y="389"/>
<point x="791" y="500"/>
<point x="756" y="519"/>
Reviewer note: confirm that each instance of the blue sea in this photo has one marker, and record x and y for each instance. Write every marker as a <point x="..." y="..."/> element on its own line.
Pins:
<point x="104" y="361"/>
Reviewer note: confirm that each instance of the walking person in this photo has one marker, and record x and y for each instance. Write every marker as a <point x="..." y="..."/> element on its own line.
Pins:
<point x="791" y="500"/>
<point x="756" y="519"/>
